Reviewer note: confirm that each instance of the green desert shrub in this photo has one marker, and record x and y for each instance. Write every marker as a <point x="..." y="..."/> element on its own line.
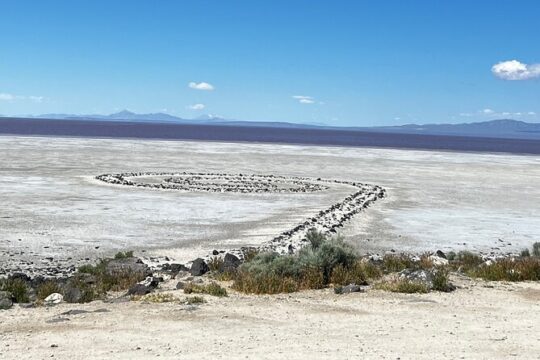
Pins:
<point x="359" y="273"/>
<point x="105" y="279"/>
<point x="525" y="253"/>
<point x="250" y="253"/>
<point x="510" y="269"/>
<point x="536" y="249"/>
<point x="317" y="265"/>
<point x="89" y="291"/>
<point x="397" y="262"/>
<point x="315" y="238"/>
<point x="265" y="283"/>
<point x="466" y="261"/>
<point x="215" y="263"/>
<point x="18" y="289"/>
<point x="441" y="280"/>
<point x="47" y="288"/>
<point x="123" y="255"/>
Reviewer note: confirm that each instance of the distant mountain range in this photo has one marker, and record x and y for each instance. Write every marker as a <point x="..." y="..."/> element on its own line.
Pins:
<point x="503" y="128"/>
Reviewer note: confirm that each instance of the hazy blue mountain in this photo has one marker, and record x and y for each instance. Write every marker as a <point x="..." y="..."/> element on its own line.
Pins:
<point x="503" y="128"/>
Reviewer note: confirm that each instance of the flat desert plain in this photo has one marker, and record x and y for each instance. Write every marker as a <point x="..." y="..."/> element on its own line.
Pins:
<point x="53" y="207"/>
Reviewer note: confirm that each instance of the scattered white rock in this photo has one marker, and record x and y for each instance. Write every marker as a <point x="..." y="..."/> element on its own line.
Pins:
<point x="438" y="261"/>
<point x="54" y="299"/>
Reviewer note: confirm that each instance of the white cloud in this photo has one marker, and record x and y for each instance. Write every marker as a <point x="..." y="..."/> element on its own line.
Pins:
<point x="201" y="86"/>
<point x="7" y="97"/>
<point x="492" y="114"/>
<point x="302" y="99"/>
<point x="197" y="106"/>
<point x="37" y="99"/>
<point x="11" y="97"/>
<point x="515" y="70"/>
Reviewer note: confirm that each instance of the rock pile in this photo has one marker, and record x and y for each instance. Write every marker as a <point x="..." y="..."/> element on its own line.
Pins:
<point x="326" y="221"/>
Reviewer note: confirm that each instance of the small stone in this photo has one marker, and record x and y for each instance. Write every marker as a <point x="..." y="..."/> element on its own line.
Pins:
<point x="6" y="300"/>
<point x="351" y="288"/>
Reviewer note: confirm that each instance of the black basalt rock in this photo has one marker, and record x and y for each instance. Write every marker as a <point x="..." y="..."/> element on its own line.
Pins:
<point x="199" y="267"/>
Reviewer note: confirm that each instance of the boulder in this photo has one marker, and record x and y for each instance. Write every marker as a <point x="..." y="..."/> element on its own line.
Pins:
<point x="180" y="285"/>
<point x="127" y="265"/>
<point x="438" y="261"/>
<point x="230" y="263"/>
<point x="145" y="287"/>
<point x="174" y="268"/>
<point x="53" y="299"/>
<point x="351" y="288"/>
<point x="140" y="289"/>
<point x="440" y="254"/>
<point x="72" y="294"/>
<point x="151" y="282"/>
<point x="20" y="276"/>
<point x="6" y="300"/>
<point x="199" y="267"/>
<point x="422" y="276"/>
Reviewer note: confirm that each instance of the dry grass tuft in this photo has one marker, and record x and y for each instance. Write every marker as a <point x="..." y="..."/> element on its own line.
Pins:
<point x="402" y="286"/>
<point x="213" y="289"/>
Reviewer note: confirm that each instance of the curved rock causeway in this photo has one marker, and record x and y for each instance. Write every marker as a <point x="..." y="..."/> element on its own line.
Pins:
<point x="289" y="241"/>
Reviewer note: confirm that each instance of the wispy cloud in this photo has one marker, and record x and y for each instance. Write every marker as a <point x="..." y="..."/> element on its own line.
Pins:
<point x="515" y="70"/>
<point x="196" y="106"/>
<point x="490" y="113"/>
<point x="11" y="97"/>
<point x="7" y="97"/>
<point x="302" y="99"/>
<point x="201" y="86"/>
<point x="37" y="99"/>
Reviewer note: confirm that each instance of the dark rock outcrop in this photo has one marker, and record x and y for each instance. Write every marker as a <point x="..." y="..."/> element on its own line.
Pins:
<point x="140" y="290"/>
<point x="128" y="265"/>
<point x="230" y="263"/>
<point x="199" y="267"/>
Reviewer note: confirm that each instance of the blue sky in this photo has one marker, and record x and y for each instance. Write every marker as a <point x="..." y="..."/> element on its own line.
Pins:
<point x="352" y="63"/>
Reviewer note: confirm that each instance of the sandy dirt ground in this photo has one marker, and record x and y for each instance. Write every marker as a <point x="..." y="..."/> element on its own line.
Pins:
<point x="478" y="321"/>
<point x="53" y="208"/>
